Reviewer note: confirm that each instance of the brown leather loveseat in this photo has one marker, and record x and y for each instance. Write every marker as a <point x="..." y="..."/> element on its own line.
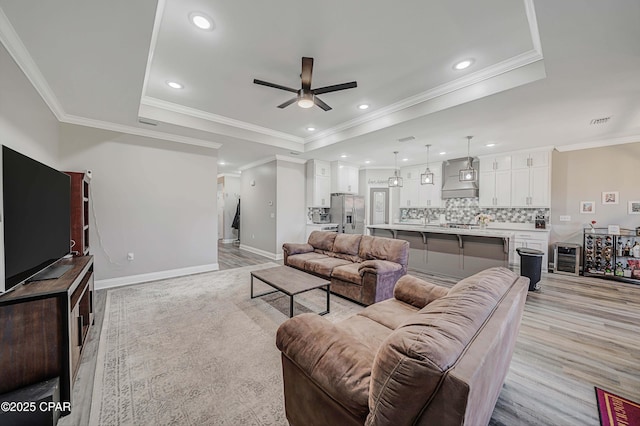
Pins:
<point x="361" y="267"/>
<point x="429" y="356"/>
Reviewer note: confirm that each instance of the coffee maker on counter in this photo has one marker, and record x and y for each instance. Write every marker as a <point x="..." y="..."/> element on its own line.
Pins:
<point x="540" y="222"/>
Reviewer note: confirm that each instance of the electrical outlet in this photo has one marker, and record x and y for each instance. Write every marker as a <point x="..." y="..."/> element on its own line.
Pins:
<point x="565" y="218"/>
<point x="129" y="256"/>
<point x="272" y="215"/>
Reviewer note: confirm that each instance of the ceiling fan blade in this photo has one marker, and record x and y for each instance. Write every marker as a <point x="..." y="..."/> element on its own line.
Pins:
<point x="335" y="88"/>
<point x="289" y="102"/>
<point x="321" y="104"/>
<point x="307" y="69"/>
<point x="275" y="86"/>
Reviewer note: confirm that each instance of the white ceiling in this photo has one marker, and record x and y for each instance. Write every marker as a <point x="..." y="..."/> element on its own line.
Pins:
<point x="542" y="72"/>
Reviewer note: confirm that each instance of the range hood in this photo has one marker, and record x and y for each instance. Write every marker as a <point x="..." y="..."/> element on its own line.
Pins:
<point x="451" y="186"/>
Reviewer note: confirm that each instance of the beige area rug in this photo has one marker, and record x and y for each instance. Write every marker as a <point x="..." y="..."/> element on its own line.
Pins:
<point x="196" y="350"/>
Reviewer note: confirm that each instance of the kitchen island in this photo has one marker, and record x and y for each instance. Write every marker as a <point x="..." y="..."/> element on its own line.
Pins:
<point x="452" y="252"/>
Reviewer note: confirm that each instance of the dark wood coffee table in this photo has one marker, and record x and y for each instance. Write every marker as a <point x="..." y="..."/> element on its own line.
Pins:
<point x="290" y="281"/>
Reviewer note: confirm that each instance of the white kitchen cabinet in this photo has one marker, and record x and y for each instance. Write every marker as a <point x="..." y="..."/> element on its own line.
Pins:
<point x="538" y="240"/>
<point x="495" y="181"/>
<point x="318" y="184"/>
<point x="344" y="177"/>
<point x="431" y="195"/>
<point x="414" y="194"/>
<point x="409" y="193"/>
<point x="531" y="179"/>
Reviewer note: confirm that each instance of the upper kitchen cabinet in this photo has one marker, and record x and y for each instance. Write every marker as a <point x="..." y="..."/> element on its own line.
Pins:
<point x="318" y="184"/>
<point x="495" y="181"/>
<point x="344" y="177"/>
<point x="414" y="194"/>
<point x="531" y="179"/>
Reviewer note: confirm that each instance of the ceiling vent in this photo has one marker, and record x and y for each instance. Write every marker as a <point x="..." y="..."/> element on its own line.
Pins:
<point x="602" y="120"/>
<point x="407" y="139"/>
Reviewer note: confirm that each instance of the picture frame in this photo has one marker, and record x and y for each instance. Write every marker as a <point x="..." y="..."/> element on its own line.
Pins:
<point x="587" y="207"/>
<point x="610" y="197"/>
<point x="634" y="207"/>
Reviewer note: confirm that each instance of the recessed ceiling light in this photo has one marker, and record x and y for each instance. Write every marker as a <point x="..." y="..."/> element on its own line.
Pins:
<point x="311" y="129"/>
<point x="463" y="64"/>
<point x="363" y="106"/>
<point x="174" y="85"/>
<point x="490" y="145"/>
<point x="201" y="21"/>
<point x="343" y="156"/>
<point x="442" y="153"/>
<point x="222" y="163"/>
<point x="367" y="161"/>
<point x="405" y="159"/>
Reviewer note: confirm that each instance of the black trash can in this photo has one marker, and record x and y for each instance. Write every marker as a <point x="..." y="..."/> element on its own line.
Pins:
<point x="531" y="266"/>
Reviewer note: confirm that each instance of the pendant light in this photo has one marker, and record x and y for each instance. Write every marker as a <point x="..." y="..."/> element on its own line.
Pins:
<point x="426" y="178"/>
<point x="469" y="174"/>
<point x="395" y="181"/>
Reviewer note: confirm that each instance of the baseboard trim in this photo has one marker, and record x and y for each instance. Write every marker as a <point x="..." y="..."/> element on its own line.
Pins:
<point x="228" y="240"/>
<point x="272" y="256"/>
<point x="153" y="276"/>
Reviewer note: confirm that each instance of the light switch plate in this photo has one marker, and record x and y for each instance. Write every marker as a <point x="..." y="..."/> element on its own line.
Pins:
<point x="565" y="218"/>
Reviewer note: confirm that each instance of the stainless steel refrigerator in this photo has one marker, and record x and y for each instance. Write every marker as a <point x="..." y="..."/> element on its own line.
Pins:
<point x="348" y="212"/>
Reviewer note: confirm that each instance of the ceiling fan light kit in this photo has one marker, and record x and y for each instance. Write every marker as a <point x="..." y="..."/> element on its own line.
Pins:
<point x="306" y="97"/>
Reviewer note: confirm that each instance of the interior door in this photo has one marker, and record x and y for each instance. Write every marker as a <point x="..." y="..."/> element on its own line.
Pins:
<point x="379" y="206"/>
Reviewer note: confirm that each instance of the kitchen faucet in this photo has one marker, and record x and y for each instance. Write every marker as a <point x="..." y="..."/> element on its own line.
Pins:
<point x="425" y="216"/>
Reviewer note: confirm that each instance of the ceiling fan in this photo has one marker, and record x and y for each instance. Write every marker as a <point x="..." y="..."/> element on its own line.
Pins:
<point x="306" y="96"/>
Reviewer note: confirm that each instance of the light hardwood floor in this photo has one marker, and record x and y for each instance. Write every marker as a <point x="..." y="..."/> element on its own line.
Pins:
<point x="576" y="333"/>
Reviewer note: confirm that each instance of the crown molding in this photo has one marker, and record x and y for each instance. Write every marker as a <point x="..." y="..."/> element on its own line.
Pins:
<point x="153" y="43"/>
<point x="18" y="51"/>
<point x="487" y="73"/>
<point x="271" y="158"/>
<point x="600" y="143"/>
<point x="234" y="175"/>
<point x="290" y="159"/>
<point x="121" y="128"/>
<point x="215" y="118"/>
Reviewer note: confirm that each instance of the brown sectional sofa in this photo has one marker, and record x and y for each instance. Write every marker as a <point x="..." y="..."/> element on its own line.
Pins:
<point x="361" y="267"/>
<point x="429" y="356"/>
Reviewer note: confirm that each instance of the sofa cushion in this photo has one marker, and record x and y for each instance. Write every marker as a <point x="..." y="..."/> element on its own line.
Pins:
<point x="299" y="260"/>
<point x="368" y="332"/>
<point x="390" y="313"/>
<point x="324" y="266"/>
<point x="384" y="249"/>
<point x="347" y="244"/>
<point x="322" y="240"/>
<point x="347" y="273"/>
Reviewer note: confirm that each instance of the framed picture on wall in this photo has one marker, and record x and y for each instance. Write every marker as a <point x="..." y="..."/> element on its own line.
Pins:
<point x="587" y="207"/>
<point x="634" y="207"/>
<point x="610" y="197"/>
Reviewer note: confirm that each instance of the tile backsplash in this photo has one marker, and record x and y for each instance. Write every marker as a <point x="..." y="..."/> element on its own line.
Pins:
<point x="312" y="210"/>
<point x="464" y="210"/>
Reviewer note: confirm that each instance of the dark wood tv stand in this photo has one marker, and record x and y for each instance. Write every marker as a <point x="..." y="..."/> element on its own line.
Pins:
<point x="43" y="327"/>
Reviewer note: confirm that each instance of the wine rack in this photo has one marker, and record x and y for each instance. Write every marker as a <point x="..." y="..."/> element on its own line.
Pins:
<point x="611" y="256"/>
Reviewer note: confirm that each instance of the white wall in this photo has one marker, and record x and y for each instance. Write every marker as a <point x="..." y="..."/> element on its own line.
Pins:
<point x="583" y="175"/>
<point x="154" y="198"/>
<point x="26" y="125"/>
<point x="291" y="210"/>
<point x="258" y="203"/>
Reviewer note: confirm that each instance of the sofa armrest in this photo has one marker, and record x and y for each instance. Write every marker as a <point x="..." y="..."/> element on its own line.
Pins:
<point x="336" y="361"/>
<point x="417" y="292"/>
<point x="295" y="248"/>
<point x="379" y="267"/>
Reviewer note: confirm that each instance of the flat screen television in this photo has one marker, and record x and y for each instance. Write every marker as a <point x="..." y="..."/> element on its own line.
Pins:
<point x="36" y="204"/>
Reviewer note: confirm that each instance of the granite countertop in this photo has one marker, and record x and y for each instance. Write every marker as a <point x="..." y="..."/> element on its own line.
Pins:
<point x="437" y="229"/>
